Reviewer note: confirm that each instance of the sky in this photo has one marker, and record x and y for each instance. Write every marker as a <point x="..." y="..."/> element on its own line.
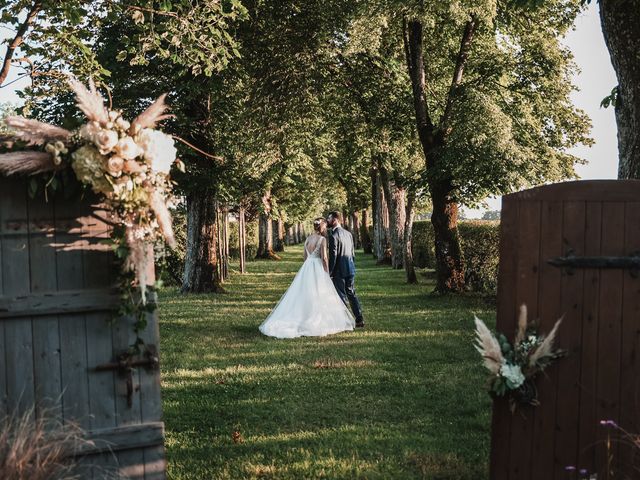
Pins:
<point x="594" y="81"/>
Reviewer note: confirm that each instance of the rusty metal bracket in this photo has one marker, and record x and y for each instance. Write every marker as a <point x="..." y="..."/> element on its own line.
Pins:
<point x="126" y="362"/>
<point x="571" y="261"/>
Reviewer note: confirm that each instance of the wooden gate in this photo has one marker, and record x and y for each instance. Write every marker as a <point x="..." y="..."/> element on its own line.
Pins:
<point x="590" y="231"/>
<point x="56" y="302"/>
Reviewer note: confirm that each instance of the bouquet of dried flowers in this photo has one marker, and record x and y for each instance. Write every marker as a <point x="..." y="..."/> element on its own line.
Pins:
<point x="126" y="164"/>
<point x="514" y="366"/>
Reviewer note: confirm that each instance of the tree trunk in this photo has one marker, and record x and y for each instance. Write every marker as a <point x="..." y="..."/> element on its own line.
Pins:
<point x="355" y="228"/>
<point x="18" y="39"/>
<point x="407" y="252"/>
<point x="381" y="249"/>
<point x="278" y="235"/>
<point x="242" y="239"/>
<point x="395" y="197"/>
<point x="265" y="237"/>
<point x="303" y="233"/>
<point x="201" y="260"/>
<point x="265" y="230"/>
<point x="296" y="233"/>
<point x="346" y="221"/>
<point x="225" y="242"/>
<point x="365" y="238"/>
<point x="621" y="27"/>
<point x="373" y="173"/>
<point x="449" y="262"/>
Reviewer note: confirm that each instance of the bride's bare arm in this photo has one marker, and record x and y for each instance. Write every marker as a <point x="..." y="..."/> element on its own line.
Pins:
<point x="306" y="253"/>
<point x="325" y="260"/>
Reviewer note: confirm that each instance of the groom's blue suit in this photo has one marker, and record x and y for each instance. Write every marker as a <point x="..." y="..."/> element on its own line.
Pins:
<point x="343" y="269"/>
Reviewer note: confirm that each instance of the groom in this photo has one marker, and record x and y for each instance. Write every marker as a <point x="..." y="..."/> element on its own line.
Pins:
<point x="341" y="266"/>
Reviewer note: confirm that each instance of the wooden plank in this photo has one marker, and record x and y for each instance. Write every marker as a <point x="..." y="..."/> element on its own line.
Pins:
<point x="76" y="406"/>
<point x="630" y="348"/>
<point x="18" y="344"/>
<point x="610" y="325"/>
<point x="131" y="464"/>
<point x="589" y="341"/>
<point x="155" y="463"/>
<point x="528" y="269"/>
<point x="123" y="336"/>
<point x="123" y="438"/>
<point x="55" y="303"/>
<point x="46" y="338"/>
<point x="154" y="460"/>
<point x="101" y="383"/>
<point x="3" y="363"/>
<point x="3" y="198"/>
<point x="501" y="418"/>
<point x="583" y="190"/>
<point x="548" y="298"/>
<point x="103" y="465"/>
<point x="569" y="338"/>
<point x="76" y="402"/>
<point x="97" y="266"/>
<point x="3" y="373"/>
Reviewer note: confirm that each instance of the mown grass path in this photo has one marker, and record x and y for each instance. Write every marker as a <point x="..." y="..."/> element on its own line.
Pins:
<point x="403" y="399"/>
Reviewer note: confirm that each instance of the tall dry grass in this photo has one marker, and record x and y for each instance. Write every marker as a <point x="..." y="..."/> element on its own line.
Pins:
<point x="38" y="447"/>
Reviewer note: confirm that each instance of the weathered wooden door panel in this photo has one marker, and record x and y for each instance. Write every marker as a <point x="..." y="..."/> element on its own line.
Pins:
<point x="600" y="379"/>
<point x="56" y="307"/>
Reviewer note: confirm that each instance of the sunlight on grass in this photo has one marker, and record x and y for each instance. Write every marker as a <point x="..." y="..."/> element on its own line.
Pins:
<point x="402" y="399"/>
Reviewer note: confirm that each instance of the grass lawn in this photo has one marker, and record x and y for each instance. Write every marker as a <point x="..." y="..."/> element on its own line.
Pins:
<point x="403" y="399"/>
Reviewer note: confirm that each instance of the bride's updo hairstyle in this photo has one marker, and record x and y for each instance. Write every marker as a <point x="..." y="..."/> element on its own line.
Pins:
<point x="319" y="225"/>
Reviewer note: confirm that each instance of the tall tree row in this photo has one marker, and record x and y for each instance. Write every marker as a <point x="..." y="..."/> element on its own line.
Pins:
<point x="293" y="108"/>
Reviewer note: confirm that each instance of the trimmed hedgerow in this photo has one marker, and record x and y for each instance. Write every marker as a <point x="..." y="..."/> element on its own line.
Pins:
<point x="480" y="242"/>
<point x="252" y="240"/>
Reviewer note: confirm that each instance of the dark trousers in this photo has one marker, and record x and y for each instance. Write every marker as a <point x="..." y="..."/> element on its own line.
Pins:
<point x="347" y="292"/>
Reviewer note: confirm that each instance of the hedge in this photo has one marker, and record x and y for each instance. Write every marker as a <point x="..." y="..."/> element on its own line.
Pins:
<point x="480" y="243"/>
<point x="252" y="240"/>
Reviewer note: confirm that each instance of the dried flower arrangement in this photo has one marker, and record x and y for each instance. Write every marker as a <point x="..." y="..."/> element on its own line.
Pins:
<point x="126" y="164"/>
<point x="514" y="367"/>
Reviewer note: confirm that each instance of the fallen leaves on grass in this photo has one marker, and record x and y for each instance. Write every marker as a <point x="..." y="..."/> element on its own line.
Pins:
<point x="236" y="436"/>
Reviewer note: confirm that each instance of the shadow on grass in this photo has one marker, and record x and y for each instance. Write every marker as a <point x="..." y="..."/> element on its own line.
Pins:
<point x="403" y="399"/>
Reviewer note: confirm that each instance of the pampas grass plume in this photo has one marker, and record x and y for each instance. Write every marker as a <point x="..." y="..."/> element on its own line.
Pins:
<point x="487" y="345"/>
<point x="34" y="132"/>
<point x="163" y="217"/>
<point x="546" y="347"/>
<point x="25" y="162"/>
<point x="522" y="325"/>
<point x="90" y="101"/>
<point x="152" y="115"/>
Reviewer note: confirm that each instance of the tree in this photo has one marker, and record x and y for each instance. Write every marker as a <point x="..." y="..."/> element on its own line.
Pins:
<point x="176" y="48"/>
<point x="492" y="106"/>
<point x="621" y="28"/>
<point x="491" y="215"/>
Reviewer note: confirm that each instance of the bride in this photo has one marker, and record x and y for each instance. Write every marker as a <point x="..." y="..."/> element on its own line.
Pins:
<point x="311" y="306"/>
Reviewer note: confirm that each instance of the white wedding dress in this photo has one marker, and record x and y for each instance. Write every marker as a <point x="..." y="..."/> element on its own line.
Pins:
<point x="311" y="307"/>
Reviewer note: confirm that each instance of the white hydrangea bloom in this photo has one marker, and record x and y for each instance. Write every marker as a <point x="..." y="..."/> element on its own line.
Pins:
<point x="513" y="375"/>
<point x="159" y="149"/>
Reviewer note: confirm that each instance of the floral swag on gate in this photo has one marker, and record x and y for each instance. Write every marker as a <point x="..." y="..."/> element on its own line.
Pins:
<point x="514" y="367"/>
<point x="126" y="164"/>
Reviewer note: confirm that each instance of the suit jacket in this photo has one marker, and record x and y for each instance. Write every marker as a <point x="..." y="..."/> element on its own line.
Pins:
<point x="341" y="253"/>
